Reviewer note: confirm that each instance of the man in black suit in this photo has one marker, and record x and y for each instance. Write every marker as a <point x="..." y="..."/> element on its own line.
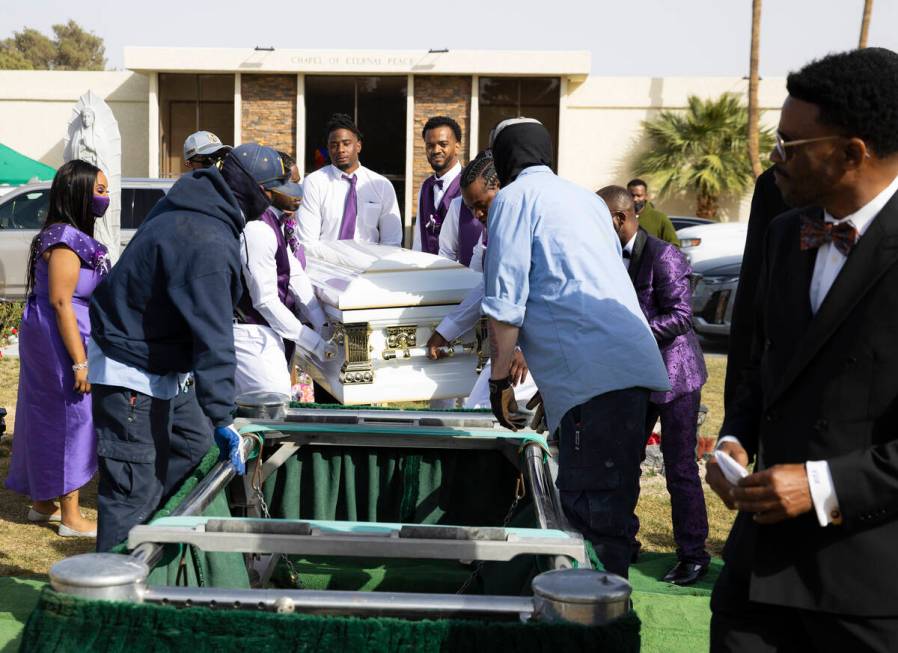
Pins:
<point x="766" y="203"/>
<point x="811" y="560"/>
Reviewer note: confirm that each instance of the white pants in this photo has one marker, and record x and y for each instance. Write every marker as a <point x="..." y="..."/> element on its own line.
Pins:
<point x="480" y="394"/>
<point x="261" y="361"/>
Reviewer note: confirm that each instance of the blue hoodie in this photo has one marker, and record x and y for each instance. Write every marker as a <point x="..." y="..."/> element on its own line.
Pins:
<point x="168" y="304"/>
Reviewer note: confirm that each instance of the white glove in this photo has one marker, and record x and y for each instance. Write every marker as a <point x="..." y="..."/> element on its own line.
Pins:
<point x="326" y="351"/>
<point x="315" y="315"/>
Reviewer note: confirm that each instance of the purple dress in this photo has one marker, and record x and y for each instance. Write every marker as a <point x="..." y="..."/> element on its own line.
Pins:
<point x="54" y="450"/>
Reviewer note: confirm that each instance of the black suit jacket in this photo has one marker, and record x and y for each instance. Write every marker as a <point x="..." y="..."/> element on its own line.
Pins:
<point x="766" y="203"/>
<point x="825" y="387"/>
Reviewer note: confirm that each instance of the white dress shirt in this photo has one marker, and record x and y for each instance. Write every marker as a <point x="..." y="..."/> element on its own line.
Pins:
<point x="447" y="178"/>
<point x="828" y="264"/>
<point x="449" y="231"/>
<point x="324" y="197"/>
<point x="465" y="316"/>
<point x="478" y="254"/>
<point x="258" y="246"/>
<point x="830" y="260"/>
<point x="629" y="249"/>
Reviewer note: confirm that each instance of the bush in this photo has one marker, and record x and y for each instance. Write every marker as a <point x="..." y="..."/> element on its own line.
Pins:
<point x="10" y="318"/>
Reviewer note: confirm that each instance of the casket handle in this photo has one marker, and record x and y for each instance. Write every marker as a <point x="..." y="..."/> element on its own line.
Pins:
<point x="421" y="352"/>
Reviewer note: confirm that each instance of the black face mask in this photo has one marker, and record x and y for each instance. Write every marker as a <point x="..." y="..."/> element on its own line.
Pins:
<point x="249" y="196"/>
<point x="518" y="147"/>
<point x="639" y="206"/>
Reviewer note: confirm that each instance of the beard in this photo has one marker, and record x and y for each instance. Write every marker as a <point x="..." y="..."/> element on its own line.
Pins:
<point x="439" y="168"/>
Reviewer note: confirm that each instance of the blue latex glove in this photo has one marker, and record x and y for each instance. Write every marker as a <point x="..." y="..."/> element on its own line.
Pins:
<point x="228" y="440"/>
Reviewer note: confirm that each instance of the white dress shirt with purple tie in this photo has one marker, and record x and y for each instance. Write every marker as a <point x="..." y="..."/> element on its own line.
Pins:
<point x="321" y="214"/>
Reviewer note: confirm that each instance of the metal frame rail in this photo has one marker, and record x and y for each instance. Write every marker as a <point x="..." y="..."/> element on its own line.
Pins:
<point x="531" y="460"/>
<point x="578" y="596"/>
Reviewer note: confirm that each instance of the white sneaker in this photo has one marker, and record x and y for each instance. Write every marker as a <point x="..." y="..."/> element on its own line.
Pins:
<point x="37" y="516"/>
<point x="65" y="531"/>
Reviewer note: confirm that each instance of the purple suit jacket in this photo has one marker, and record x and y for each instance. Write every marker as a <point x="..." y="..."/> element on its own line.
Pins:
<point x="660" y="274"/>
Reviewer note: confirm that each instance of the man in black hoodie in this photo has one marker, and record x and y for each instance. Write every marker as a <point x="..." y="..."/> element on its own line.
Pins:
<point x="164" y="311"/>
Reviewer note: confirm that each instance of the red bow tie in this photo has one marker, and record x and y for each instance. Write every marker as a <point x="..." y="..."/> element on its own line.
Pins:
<point x="816" y="232"/>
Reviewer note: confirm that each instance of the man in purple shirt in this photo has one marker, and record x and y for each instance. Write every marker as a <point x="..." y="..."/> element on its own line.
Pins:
<point x="660" y="274"/>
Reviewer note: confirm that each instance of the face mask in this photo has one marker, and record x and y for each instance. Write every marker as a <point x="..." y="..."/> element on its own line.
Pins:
<point x="99" y="204"/>
<point x="284" y="202"/>
<point x="249" y="195"/>
<point x="639" y="206"/>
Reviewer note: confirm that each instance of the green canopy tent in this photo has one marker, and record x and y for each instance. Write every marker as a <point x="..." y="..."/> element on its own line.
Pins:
<point x="16" y="168"/>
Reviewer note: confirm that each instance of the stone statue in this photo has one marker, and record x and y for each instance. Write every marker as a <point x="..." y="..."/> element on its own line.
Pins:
<point x="93" y="135"/>
<point x="82" y="144"/>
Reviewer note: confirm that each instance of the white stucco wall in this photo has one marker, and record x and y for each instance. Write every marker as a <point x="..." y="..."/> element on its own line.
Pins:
<point x="599" y="136"/>
<point x="35" y="107"/>
<point x="601" y="126"/>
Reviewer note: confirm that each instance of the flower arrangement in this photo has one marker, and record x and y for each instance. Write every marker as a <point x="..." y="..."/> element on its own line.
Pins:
<point x="10" y="318"/>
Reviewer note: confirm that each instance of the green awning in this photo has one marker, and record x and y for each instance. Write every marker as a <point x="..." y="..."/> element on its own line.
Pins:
<point x="16" y="168"/>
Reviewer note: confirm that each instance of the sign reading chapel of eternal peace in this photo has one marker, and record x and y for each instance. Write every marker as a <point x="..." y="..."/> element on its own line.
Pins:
<point x="442" y="62"/>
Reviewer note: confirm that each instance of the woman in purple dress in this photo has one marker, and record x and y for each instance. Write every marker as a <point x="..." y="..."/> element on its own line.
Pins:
<point x="54" y="450"/>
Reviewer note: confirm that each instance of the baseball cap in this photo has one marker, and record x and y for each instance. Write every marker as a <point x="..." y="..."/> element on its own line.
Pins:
<point x="263" y="163"/>
<point x="292" y="189"/>
<point x="203" y="143"/>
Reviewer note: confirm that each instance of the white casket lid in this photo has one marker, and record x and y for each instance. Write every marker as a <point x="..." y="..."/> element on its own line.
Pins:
<point x="350" y="275"/>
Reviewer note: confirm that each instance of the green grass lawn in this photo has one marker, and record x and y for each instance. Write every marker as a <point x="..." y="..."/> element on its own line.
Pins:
<point x="654" y="503"/>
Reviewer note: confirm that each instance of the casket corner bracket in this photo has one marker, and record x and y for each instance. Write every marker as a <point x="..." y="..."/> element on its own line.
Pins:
<point x="357" y="368"/>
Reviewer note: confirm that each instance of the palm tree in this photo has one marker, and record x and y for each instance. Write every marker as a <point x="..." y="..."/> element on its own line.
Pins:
<point x="754" y="79"/>
<point x="865" y="23"/>
<point x="702" y="150"/>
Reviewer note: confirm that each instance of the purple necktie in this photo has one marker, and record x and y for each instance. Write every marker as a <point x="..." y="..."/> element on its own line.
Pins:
<point x="350" y="210"/>
<point x="439" y="184"/>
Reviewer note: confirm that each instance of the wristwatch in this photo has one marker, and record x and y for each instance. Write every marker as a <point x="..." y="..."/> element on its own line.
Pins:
<point x="498" y="385"/>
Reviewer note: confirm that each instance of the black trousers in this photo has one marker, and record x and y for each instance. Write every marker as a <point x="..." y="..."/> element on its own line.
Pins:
<point x="598" y="470"/>
<point x="739" y="625"/>
<point x="146" y="447"/>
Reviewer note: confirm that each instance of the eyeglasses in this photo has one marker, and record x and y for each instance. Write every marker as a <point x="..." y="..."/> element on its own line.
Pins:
<point x="202" y="161"/>
<point x="781" y="145"/>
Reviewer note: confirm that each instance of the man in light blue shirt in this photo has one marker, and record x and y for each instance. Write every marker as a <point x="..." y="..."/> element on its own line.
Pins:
<point x="555" y="285"/>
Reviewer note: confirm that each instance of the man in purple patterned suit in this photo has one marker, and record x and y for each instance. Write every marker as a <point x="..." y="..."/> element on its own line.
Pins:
<point x="660" y="274"/>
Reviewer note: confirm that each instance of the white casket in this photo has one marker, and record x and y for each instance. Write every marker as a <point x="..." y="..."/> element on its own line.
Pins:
<point x="382" y="304"/>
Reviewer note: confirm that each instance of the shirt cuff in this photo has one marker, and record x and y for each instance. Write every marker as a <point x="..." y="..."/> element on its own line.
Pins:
<point x="728" y="438"/>
<point x="823" y="493"/>
<point x="449" y="329"/>
<point x="310" y="342"/>
<point x="503" y="311"/>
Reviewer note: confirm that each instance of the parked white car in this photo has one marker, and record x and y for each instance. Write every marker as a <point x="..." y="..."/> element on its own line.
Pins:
<point x="714" y="282"/>
<point x="715" y="240"/>
<point x="22" y="213"/>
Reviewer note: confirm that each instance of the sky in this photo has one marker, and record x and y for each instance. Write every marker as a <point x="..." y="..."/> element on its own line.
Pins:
<point x="625" y="37"/>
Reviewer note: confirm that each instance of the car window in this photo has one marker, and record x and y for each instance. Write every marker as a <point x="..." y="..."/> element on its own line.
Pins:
<point x="25" y="211"/>
<point x="125" y="217"/>
<point x="144" y="200"/>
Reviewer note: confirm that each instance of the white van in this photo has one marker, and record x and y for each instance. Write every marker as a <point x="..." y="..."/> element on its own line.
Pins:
<point x="22" y="213"/>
